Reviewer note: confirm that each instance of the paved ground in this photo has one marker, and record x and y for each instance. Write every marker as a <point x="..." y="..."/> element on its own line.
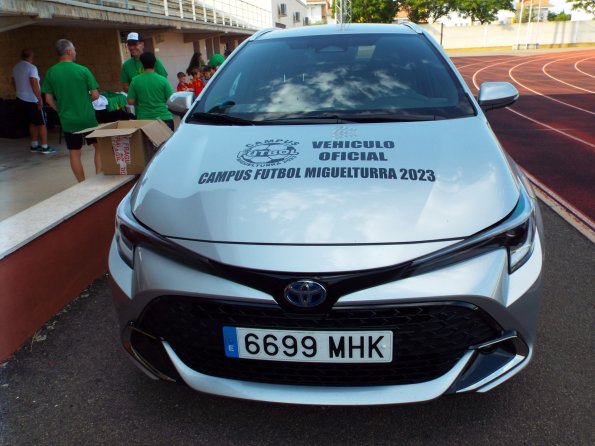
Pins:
<point x="26" y="178"/>
<point x="76" y="387"/>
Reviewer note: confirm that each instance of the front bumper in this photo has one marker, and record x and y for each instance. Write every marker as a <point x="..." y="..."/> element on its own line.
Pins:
<point x="508" y="301"/>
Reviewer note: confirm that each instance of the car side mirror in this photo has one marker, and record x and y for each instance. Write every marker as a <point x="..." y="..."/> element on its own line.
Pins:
<point x="179" y="103"/>
<point x="496" y="95"/>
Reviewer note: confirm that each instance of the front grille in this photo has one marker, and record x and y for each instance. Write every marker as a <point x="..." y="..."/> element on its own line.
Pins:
<point x="428" y="339"/>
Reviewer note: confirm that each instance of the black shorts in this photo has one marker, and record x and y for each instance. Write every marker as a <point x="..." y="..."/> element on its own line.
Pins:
<point x="169" y="123"/>
<point x="75" y="141"/>
<point x="32" y="114"/>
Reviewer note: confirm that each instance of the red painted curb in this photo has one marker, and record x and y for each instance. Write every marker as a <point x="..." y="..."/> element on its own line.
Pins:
<point x="40" y="278"/>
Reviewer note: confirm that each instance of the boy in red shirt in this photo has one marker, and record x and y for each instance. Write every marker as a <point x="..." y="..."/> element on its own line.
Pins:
<point x="182" y="84"/>
<point x="196" y="83"/>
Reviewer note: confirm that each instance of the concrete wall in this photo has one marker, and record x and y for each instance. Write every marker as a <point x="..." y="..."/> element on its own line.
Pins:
<point x="96" y="48"/>
<point x="554" y="34"/>
<point x="174" y="53"/>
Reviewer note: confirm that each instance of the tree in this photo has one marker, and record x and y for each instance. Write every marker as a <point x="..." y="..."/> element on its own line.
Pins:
<point x="422" y="11"/>
<point x="587" y="5"/>
<point x="561" y="17"/>
<point x="483" y="11"/>
<point x="373" y="11"/>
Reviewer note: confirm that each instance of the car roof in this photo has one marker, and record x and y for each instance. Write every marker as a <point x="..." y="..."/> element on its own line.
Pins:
<point x="323" y="30"/>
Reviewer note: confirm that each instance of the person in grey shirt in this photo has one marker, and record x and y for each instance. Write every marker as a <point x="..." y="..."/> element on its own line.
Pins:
<point x="25" y="79"/>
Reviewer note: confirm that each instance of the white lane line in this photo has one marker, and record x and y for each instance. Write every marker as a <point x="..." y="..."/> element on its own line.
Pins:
<point x="552" y="128"/>
<point x="474" y="78"/>
<point x="568" y="212"/>
<point x="532" y="59"/>
<point x="578" y="69"/>
<point x="560" y="80"/>
<point x="549" y="127"/>
<point x="541" y="94"/>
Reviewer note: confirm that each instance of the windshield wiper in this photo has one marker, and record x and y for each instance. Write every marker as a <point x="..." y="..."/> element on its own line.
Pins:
<point x="389" y="118"/>
<point x="346" y="119"/>
<point x="309" y="120"/>
<point x="222" y="107"/>
<point x="327" y="118"/>
<point x="219" y="118"/>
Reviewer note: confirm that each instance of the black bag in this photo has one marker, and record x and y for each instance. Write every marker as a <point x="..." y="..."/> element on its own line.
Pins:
<point x="12" y="120"/>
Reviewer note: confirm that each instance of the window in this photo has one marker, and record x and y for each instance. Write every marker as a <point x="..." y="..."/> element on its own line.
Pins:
<point x="296" y="17"/>
<point x="282" y="10"/>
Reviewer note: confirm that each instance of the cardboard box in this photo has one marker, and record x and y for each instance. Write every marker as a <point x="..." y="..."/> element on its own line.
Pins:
<point x="126" y="147"/>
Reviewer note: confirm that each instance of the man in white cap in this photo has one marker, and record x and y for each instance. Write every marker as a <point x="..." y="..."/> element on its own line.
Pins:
<point x="133" y="66"/>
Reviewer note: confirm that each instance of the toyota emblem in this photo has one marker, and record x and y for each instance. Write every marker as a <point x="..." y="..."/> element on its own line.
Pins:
<point x="305" y="293"/>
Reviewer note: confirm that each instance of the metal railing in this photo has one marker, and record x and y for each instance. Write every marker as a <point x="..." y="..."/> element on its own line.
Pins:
<point x="233" y="13"/>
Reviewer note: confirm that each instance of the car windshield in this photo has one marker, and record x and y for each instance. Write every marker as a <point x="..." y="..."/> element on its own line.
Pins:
<point x="334" y="78"/>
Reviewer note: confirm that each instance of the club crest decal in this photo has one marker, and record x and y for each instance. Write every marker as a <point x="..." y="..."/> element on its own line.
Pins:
<point x="268" y="153"/>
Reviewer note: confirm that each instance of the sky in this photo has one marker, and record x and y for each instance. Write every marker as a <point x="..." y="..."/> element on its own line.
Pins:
<point x="559" y="5"/>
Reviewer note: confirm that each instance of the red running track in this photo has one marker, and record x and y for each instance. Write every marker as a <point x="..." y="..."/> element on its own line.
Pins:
<point x="550" y="130"/>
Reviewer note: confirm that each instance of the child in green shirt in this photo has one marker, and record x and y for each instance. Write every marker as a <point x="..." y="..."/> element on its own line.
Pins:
<point x="149" y="92"/>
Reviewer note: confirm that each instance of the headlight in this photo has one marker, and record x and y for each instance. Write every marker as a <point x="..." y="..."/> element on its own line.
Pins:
<point x="131" y="233"/>
<point x="123" y="243"/>
<point x="516" y="233"/>
<point x="520" y="243"/>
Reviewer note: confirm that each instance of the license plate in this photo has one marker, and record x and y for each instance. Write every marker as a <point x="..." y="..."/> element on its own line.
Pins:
<point x="311" y="346"/>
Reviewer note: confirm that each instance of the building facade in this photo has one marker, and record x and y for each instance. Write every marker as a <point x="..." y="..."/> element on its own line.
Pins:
<point x="173" y="29"/>
<point x="319" y="12"/>
<point x="290" y="13"/>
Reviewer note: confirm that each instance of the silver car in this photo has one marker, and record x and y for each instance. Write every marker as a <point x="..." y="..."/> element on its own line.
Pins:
<point x="335" y="223"/>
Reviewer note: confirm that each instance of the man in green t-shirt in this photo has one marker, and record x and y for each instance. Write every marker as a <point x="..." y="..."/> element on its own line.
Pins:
<point x="149" y="93"/>
<point x="133" y="66"/>
<point x="69" y="89"/>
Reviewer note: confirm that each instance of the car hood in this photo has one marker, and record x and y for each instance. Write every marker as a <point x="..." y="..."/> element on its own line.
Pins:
<point x="327" y="184"/>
